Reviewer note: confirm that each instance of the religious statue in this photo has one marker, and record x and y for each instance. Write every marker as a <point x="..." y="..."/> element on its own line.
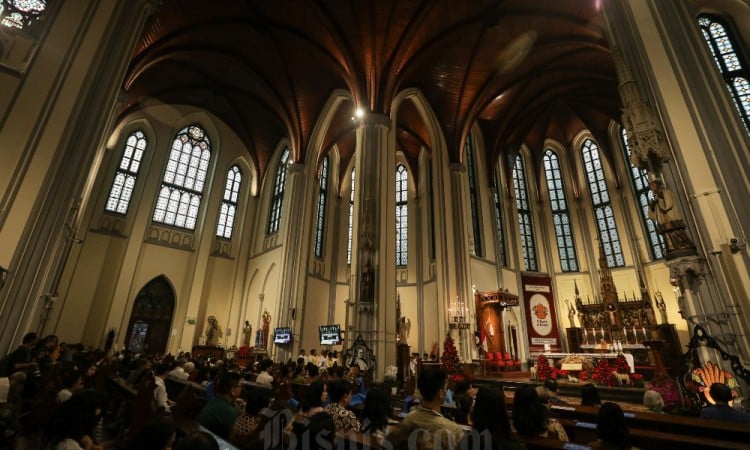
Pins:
<point x="404" y="326"/>
<point x="261" y="336"/>
<point x="247" y="333"/>
<point x="571" y="313"/>
<point x="661" y="306"/>
<point x="367" y="287"/>
<point x="213" y="333"/>
<point x="663" y="210"/>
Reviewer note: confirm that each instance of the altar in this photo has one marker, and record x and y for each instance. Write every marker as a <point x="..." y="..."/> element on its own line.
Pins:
<point x="554" y="357"/>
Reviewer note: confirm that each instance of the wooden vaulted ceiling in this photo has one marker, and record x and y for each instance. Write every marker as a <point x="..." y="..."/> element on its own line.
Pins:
<point x="523" y="70"/>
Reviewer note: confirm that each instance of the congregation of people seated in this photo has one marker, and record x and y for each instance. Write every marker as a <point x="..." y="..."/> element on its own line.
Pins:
<point x="139" y="401"/>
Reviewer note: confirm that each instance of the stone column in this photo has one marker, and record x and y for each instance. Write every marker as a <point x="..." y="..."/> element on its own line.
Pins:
<point x="70" y="127"/>
<point x="372" y="281"/>
<point x="463" y="250"/>
<point x="679" y="160"/>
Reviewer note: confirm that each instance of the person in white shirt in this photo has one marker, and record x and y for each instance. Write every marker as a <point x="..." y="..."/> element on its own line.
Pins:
<point x="313" y="357"/>
<point x="161" y="401"/>
<point x="323" y="360"/>
<point x="264" y="377"/>
<point x="302" y="355"/>
<point x="179" y="371"/>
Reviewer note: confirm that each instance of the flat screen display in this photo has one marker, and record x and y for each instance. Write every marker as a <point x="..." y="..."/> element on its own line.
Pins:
<point x="282" y="335"/>
<point x="330" y="334"/>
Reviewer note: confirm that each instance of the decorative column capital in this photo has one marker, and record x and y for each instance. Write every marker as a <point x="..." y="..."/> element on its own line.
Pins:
<point x="458" y="168"/>
<point x="374" y="119"/>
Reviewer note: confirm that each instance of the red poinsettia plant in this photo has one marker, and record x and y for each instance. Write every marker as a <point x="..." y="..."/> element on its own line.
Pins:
<point x="636" y="380"/>
<point x="602" y="373"/>
<point x="243" y="352"/>
<point x="583" y="375"/>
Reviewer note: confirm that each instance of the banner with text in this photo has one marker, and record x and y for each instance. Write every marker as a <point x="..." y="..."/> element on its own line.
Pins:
<point x="541" y="320"/>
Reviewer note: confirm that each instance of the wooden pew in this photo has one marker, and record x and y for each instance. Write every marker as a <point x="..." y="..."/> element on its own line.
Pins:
<point x="584" y="432"/>
<point x="355" y="441"/>
<point x="688" y="426"/>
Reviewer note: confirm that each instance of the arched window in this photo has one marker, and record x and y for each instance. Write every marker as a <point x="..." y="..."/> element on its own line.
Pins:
<point x="229" y="203"/>
<point x="184" y="178"/>
<point x="560" y="216"/>
<point x="122" y="187"/>
<point x="499" y="222"/>
<point x="351" y="220"/>
<point x="644" y="195"/>
<point x="274" y="216"/>
<point x="603" y="212"/>
<point x="731" y="62"/>
<point x="402" y="215"/>
<point x="320" y="223"/>
<point x="524" y="215"/>
<point x="21" y="13"/>
<point x="474" y="200"/>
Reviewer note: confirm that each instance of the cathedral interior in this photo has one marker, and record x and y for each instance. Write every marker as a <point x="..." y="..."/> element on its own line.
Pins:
<point x="297" y="164"/>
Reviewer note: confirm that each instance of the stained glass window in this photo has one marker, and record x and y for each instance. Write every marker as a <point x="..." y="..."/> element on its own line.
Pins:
<point x="644" y="195"/>
<point x="229" y="203"/>
<point x="603" y="213"/>
<point x="21" y="13"/>
<point x="184" y="178"/>
<point x="351" y="221"/>
<point x="566" y="248"/>
<point x="320" y="223"/>
<point x="127" y="172"/>
<point x="731" y="62"/>
<point x="274" y="216"/>
<point x="402" y="214"/>
<point x="499" y="223"/>
<point x="528" y="248"/>
<point x="474" y="199"/>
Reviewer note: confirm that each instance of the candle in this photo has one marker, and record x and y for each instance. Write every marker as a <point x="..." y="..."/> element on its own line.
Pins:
<point x="634" y="335"/>
<point x="644" y="333"/>
<point x="602" y="332"/>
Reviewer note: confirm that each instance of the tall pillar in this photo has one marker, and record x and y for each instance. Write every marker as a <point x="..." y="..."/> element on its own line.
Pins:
<point x="463" y="250"/>
<point x="373" y="279"/>
<point x="55" y="148"/>
<point x="672" y="129"/>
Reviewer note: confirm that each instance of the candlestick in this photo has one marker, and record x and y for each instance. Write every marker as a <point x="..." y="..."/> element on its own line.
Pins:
<point x="644" y="334"/>
<point x="625" y="334"/>
<point x="635" y="336"/>
<point x="602" y="332"/>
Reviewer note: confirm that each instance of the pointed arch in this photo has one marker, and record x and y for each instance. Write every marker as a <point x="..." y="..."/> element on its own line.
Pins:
<point x="151" y="317"/>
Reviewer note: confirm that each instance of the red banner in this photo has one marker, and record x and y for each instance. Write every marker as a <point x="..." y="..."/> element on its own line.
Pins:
<point x="541" y="320"/>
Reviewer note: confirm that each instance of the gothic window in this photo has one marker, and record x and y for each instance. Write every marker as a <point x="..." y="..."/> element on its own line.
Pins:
<point x="127" y="172"/>
<point x="274" y="216"/>
<point x="21" y="13"/>
<point x="560" y="215"/>
<point x="525" y="224"/>
<point x="722" y="42"/>
<point x="603" y="213"/>
<point x="644" y="195"/>
<point x="229" y="203"/>
<point x="474" y="200"/>
<point x="184" y="178"/>
<point x="351" y="221"/>
<point x="320" y="223"/>
<point x="402" y="213"/>
<point x="499" y="222"/>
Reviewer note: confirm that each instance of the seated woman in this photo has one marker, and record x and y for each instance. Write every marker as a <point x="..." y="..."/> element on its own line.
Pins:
<point x="491" y="427"/>
<point x="590" y="396"/>
<point x="612" y="428"/>
<point x="653" y="401"/>
<point x="377" y="417"/>
<point x="531" y="416"/>
<point x="313" y="425"/>
<point x="245" y="433"/>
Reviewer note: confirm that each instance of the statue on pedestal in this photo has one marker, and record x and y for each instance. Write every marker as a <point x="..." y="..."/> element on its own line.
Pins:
<point x="663" y="210"/>
<point x="213" y="333"/>
<point x="571" y="314"/>
<point x="247" y="334"/>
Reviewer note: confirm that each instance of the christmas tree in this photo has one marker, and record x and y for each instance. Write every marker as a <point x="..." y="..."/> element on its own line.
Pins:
<point x="450" y="356"/>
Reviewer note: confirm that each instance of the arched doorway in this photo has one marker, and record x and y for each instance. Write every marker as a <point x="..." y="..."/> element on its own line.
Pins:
<point x="151" y="319"/>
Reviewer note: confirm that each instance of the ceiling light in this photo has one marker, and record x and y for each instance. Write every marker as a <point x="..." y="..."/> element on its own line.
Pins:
<point x="360" y="113"/>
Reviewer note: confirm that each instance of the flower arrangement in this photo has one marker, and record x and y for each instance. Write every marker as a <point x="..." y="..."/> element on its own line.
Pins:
<point x="583" y="375"/>
<point x="602" y="373"/>
<point x="544" y="370"/>
<point x="636" y="380"/>
<point x="621" y="365"/>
